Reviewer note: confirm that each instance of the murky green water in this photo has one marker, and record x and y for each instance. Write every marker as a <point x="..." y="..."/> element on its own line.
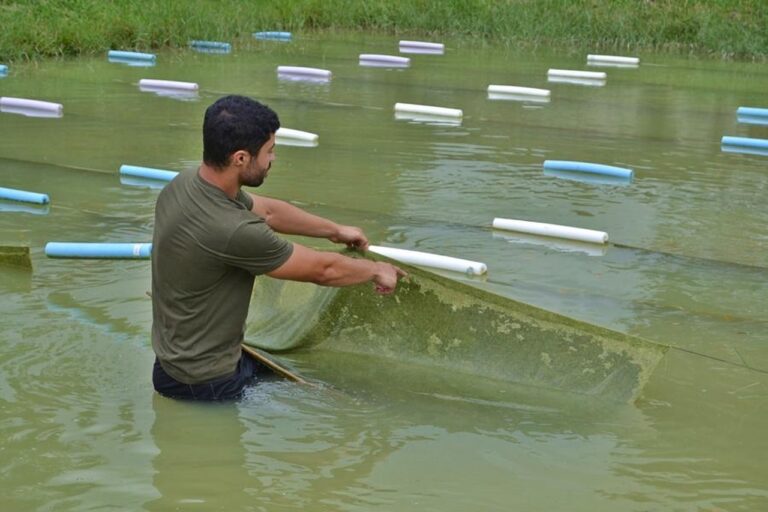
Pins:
<point x="81" y="429"/>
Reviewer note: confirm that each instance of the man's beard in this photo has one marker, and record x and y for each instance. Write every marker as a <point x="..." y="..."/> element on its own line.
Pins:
<point x="256" y="179"/>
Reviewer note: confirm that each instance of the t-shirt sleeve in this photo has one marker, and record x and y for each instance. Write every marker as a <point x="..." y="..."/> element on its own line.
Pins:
<point x="254" y="247"/>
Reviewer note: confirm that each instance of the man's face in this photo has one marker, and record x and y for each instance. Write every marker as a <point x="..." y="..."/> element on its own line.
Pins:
<point x="258" y="167"/>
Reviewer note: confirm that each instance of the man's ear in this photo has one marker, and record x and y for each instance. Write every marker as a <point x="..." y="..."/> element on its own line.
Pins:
<point x="240" y="157"/>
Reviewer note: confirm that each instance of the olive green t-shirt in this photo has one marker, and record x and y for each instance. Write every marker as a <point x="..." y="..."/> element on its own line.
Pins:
<point x="206" y="250"/>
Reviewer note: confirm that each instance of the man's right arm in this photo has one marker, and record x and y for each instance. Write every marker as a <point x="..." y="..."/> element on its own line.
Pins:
<point x="333" y="269"/>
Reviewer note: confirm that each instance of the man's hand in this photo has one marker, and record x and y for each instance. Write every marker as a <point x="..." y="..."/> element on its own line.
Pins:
<point x="386" y="278"/>
<point x="352" y="236"/>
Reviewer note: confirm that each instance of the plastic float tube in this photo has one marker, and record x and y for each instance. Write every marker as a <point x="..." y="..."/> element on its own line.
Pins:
<point x="288" y="133"/>
<point x="25" y="104"/>
<point x="519" y="91"/>
<point x="426" y="259"/>
<point x="3" y="69"/>
<point x="752" y="111"/>
<point x="428" y="110"/>
<point x="123" y="55"/>
<point x="23" y="196"/>
<point x="147" y="173"/>
<point x="551" y="230"/>
<point x="612" y="59"/>
<point x="392" y="60"/>
<point x="149" y="83"/>
<point x="98" y="250"/>
<point x="744" y="142"/>
<point x="277" y="36"/>
<point x="211" y="45"/>
<point x="421" y="45"/>
<point x="316" y="73"/>
<point x="608" y="170"/>
<point x="569" y="73"/>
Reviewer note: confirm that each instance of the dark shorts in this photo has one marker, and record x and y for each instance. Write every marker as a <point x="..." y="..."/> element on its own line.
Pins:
<point x="225" y="388"/>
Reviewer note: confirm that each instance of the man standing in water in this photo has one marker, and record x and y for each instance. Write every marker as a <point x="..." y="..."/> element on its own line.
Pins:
<point x="210" y="241"/>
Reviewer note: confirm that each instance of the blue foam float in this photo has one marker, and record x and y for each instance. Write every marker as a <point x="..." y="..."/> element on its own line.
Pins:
<point x="124" y="55"/>
<point x="13" y="194"/>
<point x="98" y="250"/>
<point x="147" y="173"/>
<point x="3" y="69"/>
<point x="752" y="111"/>
<point x="277" y="36"/>
<point x="745" y="142"/>
<point x="761" y="120"/>
<point x="211" y="45"/>
<point x="606" y="170"/>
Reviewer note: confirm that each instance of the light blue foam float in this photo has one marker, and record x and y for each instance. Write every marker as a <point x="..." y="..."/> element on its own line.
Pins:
<point x="125" y="55"/>
<point x="23" y="196"/>
<point x="211" y="45"/>
<point x="590" y="178"/>
<point x="752" y="111"/>
<point x="147" y="173"/>
<point x="3" y="69"/>
<point x="570" y="166"/>
<point x="744" y="142"/>
<point x="98" y="250"/>
<point x="274" y="36"/>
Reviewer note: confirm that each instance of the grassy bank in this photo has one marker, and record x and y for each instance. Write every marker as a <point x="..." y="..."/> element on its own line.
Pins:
<point x="720" y="28"/>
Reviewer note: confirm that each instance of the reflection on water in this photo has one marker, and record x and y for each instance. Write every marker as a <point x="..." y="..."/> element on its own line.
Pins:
<point x="80" y="427"/>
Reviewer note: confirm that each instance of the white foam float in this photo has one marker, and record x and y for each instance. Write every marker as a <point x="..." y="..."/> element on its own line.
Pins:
<point x="304" y="72"/>
<point x="291" y="137"/>
<point x="520" y="91"/>
<point x="428" y="110"/>
<point x="421" y="47"/>
<point x="426" y="259"/>
<point x="21" y="105"/>
<point x="612" y="59"/>
<point x="572" y="73"/>
<point x="152" y="84"/>
<point x="552" y="230"/>
<point x="378" y="60"/>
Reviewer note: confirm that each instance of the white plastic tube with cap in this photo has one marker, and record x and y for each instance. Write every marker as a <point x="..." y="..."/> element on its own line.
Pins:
<point x="426" y="259"/>
<point x="553" y="230"/>
<point x="303" y="71"/>
<point x="570" y="73"/>
<point x="149" y="83"/>
<point x="612" y="59"/>
<point x="422" y="45"/>
<point x="428" y="110"/>
<point x="26" y="104"/>
<point x="289" y="133"/>
<point x="384" y="60"/>
<point x="515" y="90"/>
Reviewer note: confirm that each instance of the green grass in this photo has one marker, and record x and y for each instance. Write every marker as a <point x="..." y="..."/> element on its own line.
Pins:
<point x="720" y="28"/>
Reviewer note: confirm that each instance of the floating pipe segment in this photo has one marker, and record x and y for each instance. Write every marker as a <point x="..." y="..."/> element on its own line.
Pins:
<point x="426" y="259"/>
<point x="98" y="250"/>
<point x="744" y="142"/>
<point x="149" y="83"/>
<point x="551" y="230"/>
<point x="3" y="69"/>
<point x="385" y="59"/>
<point x="422" y="45"/>
<point x="613" y="59"/>
<point x="288" y="133"/>
<point x="522" y="91"/>
<point x="277" y="36"/>
<point x="752" y="111"/>
<point x="25" y="104"/>
<point x="211" y="45"/>
<point x="608" y="170"/>
<point x="123" y="55"/>
<point x="569" y="73"/>
<point x="147" y="172"/>
<point x="302" y="71"/>
<point x="428" y="110"/>
<point x="23" y="196"/>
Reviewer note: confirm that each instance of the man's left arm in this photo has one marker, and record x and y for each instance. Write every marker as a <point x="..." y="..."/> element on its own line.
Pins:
<point x="285" y="218"/>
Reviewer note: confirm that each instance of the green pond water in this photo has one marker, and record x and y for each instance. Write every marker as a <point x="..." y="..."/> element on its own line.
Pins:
<point x="81" y="428"/>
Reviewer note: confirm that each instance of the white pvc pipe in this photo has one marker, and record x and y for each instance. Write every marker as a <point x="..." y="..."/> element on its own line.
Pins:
<point x="302" y="71"/>
<point x="426" y="259"/>
<point x="613" y="59"/>
<point x="167" y="84"/>
<point x="288" y="133"/>
<point x="384" y="59"/>
<point x="428" y="110"/>
<point x="515" y="90"/>
<point x="25" y="104"/>
<point x="569" y="73"/>
<point x="422" y="45"/>
<point x="553" y="230"/>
